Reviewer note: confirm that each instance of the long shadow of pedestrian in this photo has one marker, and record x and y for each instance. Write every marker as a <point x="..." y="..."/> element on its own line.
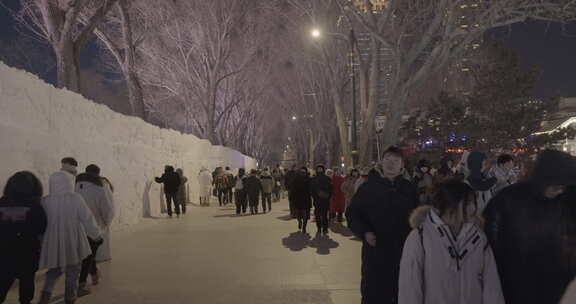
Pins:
<point x="341" y="229"/>
<point x="296" y="241"/>
<point x="323" y="244"/>
<point x="229" y="215"/>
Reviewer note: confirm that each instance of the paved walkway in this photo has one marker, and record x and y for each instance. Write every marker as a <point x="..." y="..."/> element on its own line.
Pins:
<point x="212" y="256"/>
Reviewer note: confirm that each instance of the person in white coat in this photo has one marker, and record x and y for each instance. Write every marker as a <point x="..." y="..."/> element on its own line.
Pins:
<point x="104" y="252"/>
<point x="65" y="243"/>
<point x="205" y="184"/>
<point x="91" y="187"/>
<point x="447" y="258"/>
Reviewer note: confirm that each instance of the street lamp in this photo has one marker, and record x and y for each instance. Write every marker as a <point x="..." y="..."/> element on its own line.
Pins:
<point x="352" y="42"/>
<point x="316" y="33"/>
<point x="293" y="117"/>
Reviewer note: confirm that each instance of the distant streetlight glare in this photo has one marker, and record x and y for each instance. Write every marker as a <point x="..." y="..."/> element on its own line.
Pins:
<point x="293" y="117"/>
<point x="316" y="33"/>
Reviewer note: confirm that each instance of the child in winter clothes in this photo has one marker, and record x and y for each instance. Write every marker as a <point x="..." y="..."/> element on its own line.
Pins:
<point x="447" y="258"/>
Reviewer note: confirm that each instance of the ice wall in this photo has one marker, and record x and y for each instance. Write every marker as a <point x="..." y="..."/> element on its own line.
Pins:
<point x="40" y="124"/>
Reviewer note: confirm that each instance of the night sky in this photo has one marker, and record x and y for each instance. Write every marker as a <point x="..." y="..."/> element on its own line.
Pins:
<point x="545" y="45"/>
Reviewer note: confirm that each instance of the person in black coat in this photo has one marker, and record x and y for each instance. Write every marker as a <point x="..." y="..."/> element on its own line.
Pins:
<point x="253" y="187"/>
<point x="171" y="181"/>
<point x="288" y="182"/>
<point x="479" y="179"/>
<point x="526" y="226"/>
<point x="378" y="214"/>
<point x="22" y="224"/>
<point x="301" y="198"/>
<point x="321" y="190"/>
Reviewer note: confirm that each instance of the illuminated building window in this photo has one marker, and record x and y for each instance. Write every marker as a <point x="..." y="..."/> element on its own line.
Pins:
<point x="465" y="69"/>
<point x="464" y="26"/>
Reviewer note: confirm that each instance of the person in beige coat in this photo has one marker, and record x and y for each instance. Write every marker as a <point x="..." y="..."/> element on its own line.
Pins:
<point x="447" y="258"/>
<point x="65" y="243"/>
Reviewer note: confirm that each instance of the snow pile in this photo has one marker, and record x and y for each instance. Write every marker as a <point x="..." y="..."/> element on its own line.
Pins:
<point x="40" y="124"/>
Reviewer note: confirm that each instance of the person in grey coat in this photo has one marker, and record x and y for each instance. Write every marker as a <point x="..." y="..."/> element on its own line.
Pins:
<point x="90" y="186"/>
<point x="267" y="182"/>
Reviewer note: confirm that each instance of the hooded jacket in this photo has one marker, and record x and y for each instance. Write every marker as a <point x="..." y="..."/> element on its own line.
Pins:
<point x="300" y="192"/>
<point x="438" y="267"/>
<point x="70" y="223"/>
<point x="527" y="232"/>
<point x="22" y="223"/>
<point x="481" y="183"/>
<point x="171" y="181"/>
<point x="204" y="182"/>
<point x="91" y="188"/>
<point x="267" y="182"/>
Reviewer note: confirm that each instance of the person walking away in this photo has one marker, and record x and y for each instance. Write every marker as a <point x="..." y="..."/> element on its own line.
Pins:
<point x="288" y="180"/>
<point x="267" y="187"/>
<point x="171" y="182"/>
<point x="277" y="189"/>
<point x="302" y="198"/>
<point x="205" y="184"/>
<point x="104" y="251"/>
<point x="423" y="181"/>
<point x="525" y="224"/>
<point x="69" y="165"/>
<point x="90" y="186"/>
<point x="22" y="223"/>
<point x="220" y="186"/>
<point x="240" y="194"/>
<point x="504" y="172"/>
<point x="321" y="191"/>
<point x="181" y="195"/>
<point x="446" y="257"/>
<point x="229" y="196"/>
<point x="478" y="168"/>
<point x="348" y="187"/>
<point x="253" y="188"/>
<point x="378" y="215"/>
<point x="65" y="244"/>
<point x="337" y="200"/>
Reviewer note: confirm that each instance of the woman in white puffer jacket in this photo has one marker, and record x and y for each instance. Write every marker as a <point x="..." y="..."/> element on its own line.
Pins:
<point x="447" y="258"/>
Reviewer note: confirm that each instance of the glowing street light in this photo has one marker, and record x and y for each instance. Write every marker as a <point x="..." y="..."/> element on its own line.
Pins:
<point x="293" y="117"/>
<point x="316" y="33"/>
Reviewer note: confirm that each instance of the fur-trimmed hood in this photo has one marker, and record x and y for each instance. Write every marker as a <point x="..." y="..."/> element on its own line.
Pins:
<point x="418" y="216"/>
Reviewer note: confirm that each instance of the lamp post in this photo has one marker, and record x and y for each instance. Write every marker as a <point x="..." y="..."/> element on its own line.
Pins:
<point x="351" y="39"/>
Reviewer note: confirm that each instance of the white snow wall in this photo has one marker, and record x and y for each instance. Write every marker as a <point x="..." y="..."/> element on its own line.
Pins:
<point x="40" y="124"/>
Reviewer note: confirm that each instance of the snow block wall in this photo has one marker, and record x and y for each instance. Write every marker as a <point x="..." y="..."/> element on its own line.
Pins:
<point x="40" y="124"/>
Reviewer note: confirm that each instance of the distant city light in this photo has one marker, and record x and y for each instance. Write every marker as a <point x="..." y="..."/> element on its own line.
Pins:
<point x="293" y="117"/>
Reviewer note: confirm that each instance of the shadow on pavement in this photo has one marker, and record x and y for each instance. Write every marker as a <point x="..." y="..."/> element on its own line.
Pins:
<point x="323" y="244"/>
<point x="285" y="217"/>
<point x="341" y="229"/>
<point x="296" y="241"/>
<point x="230" y="215"/>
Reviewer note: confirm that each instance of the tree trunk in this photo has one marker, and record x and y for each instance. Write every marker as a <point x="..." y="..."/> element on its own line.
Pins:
<point x="367" y="129"/>
<point x="132" y="80"/>
<point x="342" y="129"/>
<point x="394" y="119"/>
<point x="67" y="62"/>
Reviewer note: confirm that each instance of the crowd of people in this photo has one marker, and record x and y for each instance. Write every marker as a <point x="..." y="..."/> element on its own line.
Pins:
<point x="65" y="232"/>
<point x="466" y="232"/>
